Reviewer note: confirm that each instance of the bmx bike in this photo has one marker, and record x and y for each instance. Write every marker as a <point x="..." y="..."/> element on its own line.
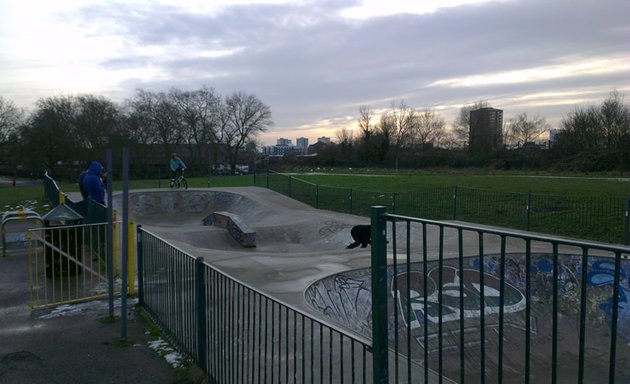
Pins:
<point x="180" y="181"/>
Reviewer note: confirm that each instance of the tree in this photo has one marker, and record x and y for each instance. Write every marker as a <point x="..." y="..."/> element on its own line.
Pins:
<point x="98" y="126"/>
<point x="345" y="138"/>
<point x="10" y="118"/>
<point x="615" y="121"/>
<point x="200" y="121"/>
<point x="368" y="150"/>
<point x="49" y="136"/>
<point x="428" y="129"/>
<point x="522" y="129"/>
<point x="243" y="117"/>
<point x="461" y="126"/>
<point x="397" y="125"/>
<point x="581" y="132"/>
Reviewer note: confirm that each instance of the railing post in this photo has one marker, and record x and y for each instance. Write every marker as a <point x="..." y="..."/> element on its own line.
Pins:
<point x="528" y="210"/>
<point x="200" y="288"/>
<point x="267" y="178"/>
<point x="455" y="202"/>
<point x="317" y="196"/>
<point x="289" y="186"/>
<point x="380" y="364"/>
<point x="394" y="203"/>
<point x="140" y="264"/>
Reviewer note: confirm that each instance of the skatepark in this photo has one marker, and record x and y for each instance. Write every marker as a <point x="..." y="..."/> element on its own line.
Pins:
<point x="300" y="258"/>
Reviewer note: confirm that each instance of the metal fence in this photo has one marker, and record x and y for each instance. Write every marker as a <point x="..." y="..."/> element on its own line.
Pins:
<point x="595" y="218"/>
<point x="449" y="303"/>
<point x="490" y="306"/>
<point x="236" y="333"/>
<point x="68" y="264"/>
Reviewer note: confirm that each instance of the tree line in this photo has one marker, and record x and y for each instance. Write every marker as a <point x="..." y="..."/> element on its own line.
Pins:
<point x="64" y="133"/>
<point x="591" y="138"/>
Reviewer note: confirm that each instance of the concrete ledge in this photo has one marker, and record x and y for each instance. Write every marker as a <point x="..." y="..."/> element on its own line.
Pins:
<point x="235" y="225"/>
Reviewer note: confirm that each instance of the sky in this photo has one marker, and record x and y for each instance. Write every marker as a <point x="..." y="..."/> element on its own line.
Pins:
<point x="316" y="63"/>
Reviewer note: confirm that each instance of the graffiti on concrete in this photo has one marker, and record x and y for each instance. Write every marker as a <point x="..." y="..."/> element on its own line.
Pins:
<point x="346" y="298"/>
<point x="409" y="288"/>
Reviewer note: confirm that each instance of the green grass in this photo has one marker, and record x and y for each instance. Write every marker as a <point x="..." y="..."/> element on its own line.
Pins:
<point x="578" y="206"/>
<point x="522" y="183"/>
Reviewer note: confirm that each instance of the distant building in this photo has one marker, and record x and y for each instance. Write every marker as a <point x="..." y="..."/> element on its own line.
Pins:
<point x="282" y="142"/>
<point x="302" y="144"/>
<point x="486" y="130"/>
<point x="323" y="139"/>
<point x="282" y="147"/>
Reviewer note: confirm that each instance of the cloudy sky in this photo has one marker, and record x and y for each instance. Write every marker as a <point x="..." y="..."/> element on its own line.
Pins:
<point x="315" y="63"/>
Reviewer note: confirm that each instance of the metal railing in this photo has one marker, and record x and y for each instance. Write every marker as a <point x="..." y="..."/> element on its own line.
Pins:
<point x="595" y="218"/>
<point x="236" y="333"/>
<point x="484" y="305"/>
<point x="448" y="302"/>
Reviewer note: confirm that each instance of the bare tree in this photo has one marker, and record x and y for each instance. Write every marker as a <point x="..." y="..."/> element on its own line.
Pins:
<point x="461" y="126"/>
<point x="522" y="129"/>
<point x="243" y="117"/>
<point x="615" y="120"/>
<point x="345" y="138"/>
<point x="199" y="118"/>
<point x="428" y="129"/>
<point x="367" y="143"/>
<point x="10" y="118"/>
<point x="49" y="136"/>
<point x="581" y="131"/>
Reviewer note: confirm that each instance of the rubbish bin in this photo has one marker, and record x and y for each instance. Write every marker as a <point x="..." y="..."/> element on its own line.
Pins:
<point x="63" y="241"/>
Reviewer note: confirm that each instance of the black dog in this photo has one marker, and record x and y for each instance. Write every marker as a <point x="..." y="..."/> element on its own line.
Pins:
<point x="361" y="234"/>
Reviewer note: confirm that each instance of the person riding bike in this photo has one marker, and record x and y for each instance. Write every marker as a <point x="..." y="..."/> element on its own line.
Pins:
<point x="177" y="166"/>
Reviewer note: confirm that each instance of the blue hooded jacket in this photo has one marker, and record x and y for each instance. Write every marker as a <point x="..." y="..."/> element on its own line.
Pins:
<point x="92" y="183"/>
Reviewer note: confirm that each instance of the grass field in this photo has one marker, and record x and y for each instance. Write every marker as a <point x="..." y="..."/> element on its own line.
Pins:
<point x="509" y="182"/>
<point x="561" y="204"/>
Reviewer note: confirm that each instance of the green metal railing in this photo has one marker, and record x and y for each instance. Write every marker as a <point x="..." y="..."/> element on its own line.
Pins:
<point x="236" y="333"/>
<point x="602" y="219"/>
<point x="491" y="306"/>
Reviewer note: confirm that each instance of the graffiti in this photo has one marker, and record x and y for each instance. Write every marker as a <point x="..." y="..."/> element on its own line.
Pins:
<point x="345" y="298"/>
<point x="602" y="276"/>
<point x="448" y="298"/>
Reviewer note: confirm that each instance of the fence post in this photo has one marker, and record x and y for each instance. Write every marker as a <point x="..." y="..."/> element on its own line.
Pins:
<point x="290" y="186"/>
<point x="200" y="288"/>
<point x="626" y="223"/>
<point x="380" y="363"/>
<point x="528" y="210"/>
<point x="140" y="264"/>
<point x="394" y="203"/>
<point x="317" y="196"/>
<point x="455" y="202"/>
<point x="267" y="178"/>
<point x="350" y="200"/>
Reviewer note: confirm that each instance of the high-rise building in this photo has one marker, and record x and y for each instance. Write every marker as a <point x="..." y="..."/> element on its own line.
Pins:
<point x="302" y="144"/>
<point x="283" y="141"/>
<point x="486" y="130"/>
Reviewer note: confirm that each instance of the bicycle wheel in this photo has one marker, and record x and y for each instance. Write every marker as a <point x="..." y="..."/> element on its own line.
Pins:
<point x="184" y="183"/>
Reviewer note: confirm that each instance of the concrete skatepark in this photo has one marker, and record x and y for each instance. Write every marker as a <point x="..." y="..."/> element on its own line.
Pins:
<point x="296" y="245"/>
<point x="300" y="259"/>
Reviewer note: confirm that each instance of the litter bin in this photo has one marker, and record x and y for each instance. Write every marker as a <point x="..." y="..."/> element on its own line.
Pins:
<point x="63" y="241"/>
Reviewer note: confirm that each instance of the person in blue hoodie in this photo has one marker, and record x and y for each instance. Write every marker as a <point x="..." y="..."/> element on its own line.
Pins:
<point x="93" y="184"/>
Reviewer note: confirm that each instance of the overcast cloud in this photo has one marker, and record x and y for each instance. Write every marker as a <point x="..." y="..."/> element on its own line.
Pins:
<point x="316" y="62"/>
